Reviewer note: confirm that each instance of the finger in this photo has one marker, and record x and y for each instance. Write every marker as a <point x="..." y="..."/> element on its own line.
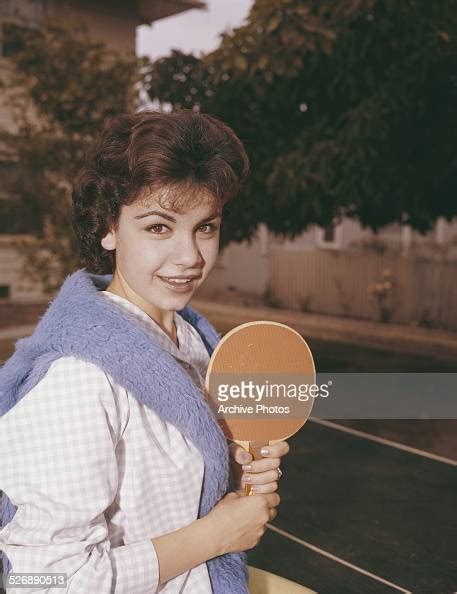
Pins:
<point x="273" y="513"/>
<point x="259" y="479"/>
<point x="239" y="454"/>
<point x="233" y="493"/>
<point x="277" y="450"/>
<point x="267" y="488"/>
<point x="262" y="465"/>
<point x="272" y="499"/>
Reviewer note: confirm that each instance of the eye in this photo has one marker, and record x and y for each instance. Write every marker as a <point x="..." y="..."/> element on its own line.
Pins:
<point x="211" y="227"/>
<point x="154" y="227"/>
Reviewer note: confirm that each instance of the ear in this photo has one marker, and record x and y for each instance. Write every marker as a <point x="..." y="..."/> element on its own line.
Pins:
<point x="109" y="241"/>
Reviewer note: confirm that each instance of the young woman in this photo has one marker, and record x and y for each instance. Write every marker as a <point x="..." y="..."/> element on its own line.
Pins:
<point x="113" y="468"/>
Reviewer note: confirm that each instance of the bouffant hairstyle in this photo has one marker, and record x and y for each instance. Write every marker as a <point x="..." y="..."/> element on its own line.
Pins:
<point x="179" y="156"/>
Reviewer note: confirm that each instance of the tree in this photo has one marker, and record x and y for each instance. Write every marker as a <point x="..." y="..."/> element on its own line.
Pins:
<point x="346" y="108"/>
<point x="61" y="89"/>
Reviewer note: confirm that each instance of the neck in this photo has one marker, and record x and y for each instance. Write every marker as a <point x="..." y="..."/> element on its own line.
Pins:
<point x="164" y="318"/>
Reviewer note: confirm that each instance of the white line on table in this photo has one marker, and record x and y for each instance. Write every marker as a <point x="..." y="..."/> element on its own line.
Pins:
<point x="337" y="559"/>
<point x="384" y="441"/>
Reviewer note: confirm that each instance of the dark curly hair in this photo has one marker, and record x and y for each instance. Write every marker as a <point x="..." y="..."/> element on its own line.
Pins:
<point x="179" y="154"/>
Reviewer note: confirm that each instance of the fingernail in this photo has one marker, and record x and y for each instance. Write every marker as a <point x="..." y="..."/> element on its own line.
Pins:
<point x="247" y="467"/>
<point x="255" y="489"/>
<point x="246" y="479"/>
<point x="247" y="457"/>
<point x="264" y="451"/>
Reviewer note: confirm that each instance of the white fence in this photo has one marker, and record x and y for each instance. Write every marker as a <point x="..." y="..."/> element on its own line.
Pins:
<point x="20" y="289"/>
<point x="336" y="283"/>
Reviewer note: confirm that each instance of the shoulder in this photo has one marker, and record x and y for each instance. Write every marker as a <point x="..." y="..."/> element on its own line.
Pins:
<point x="70" y="374"/>
<point x="76" y="388"/>
<point x="73" y="365"/>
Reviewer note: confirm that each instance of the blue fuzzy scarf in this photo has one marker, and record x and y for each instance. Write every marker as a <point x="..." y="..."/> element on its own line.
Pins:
<point x="80" y="323"/>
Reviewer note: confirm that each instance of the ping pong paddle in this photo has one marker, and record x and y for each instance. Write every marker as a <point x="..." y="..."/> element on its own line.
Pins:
<point x="267" y="352"/>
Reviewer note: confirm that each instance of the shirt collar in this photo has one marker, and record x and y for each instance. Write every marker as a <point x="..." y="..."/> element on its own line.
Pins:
<point x="189" y="350"/>
<point x="141" y="315"/>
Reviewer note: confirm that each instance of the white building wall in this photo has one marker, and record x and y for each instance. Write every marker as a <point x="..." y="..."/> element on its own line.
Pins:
<point x="245" y="266"/>
<point x="242" y="266"/>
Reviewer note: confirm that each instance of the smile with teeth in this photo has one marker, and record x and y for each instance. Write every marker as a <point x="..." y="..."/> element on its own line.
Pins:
<point x="178" y="285"/>
<point x="177" y="281"/>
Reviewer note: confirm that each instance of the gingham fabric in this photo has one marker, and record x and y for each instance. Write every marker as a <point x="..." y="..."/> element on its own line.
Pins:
<point x="96" y="475"/>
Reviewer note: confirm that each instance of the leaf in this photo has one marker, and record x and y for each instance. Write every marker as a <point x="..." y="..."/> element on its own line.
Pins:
<point x="273" y="24"/>
<point x="240" y="62"/>
<point x="326" y="45"/>
<point x="291" y="37"/>
<point x="263" y="61"/>
<point x="302" y="10"/>
<point x="328" y="34"/>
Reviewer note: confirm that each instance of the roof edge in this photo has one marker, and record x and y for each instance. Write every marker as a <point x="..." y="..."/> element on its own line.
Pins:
<point x="150" y="11"/>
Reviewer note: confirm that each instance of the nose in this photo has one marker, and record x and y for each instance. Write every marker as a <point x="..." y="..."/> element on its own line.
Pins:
<point x="186" y="253"/>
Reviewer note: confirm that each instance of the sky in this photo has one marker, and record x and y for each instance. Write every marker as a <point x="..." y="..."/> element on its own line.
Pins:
<point x="194" y="31"/>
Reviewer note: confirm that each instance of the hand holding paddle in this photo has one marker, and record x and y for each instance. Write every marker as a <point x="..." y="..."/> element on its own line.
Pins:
<point x="264" y="473"/>
<point x="237" y="523"/>
<point x="264" y="370"/>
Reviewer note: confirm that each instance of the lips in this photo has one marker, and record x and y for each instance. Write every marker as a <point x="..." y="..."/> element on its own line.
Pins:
<point x="180" y="278"/>
<point x="179" y="284"/>
<point x="176" y="282"/>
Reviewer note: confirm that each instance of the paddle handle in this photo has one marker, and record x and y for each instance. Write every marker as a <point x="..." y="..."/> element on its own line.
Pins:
<point x="254" y="449"/>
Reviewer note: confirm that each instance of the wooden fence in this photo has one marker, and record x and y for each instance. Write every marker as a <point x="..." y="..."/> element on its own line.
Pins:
<point x="422" y="292"/>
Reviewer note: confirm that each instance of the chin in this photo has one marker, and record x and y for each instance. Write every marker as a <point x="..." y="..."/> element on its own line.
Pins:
<point x="176" y="301"/>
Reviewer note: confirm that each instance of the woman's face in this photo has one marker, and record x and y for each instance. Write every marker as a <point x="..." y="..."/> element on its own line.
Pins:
<point x="153" y="244"/>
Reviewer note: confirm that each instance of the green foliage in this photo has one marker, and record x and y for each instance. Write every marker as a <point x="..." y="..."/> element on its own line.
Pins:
<point x="345" y="107"/>
<point x="177" y="79"/>
<point x="60" y="90"/>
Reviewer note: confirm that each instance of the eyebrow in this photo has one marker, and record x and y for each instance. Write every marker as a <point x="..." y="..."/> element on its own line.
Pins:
<point x="213" y="215"/>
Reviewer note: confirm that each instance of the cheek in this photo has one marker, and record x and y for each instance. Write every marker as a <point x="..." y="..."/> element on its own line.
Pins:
<point x="210" y="251"/>
<point x="132" y="253"/>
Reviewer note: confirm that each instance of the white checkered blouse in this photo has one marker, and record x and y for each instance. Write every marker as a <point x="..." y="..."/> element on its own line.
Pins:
<point x="96" y="475"/>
